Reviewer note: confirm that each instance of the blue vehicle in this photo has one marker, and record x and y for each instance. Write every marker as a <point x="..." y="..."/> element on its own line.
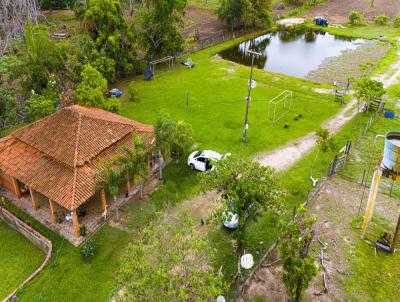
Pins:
<point x="116" y="92"/>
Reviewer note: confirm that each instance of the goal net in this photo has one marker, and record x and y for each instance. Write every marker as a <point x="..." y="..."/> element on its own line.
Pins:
<point x="279" y="106"/>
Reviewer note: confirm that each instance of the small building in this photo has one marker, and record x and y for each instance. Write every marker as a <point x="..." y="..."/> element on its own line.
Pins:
<point x="48" y="168"/>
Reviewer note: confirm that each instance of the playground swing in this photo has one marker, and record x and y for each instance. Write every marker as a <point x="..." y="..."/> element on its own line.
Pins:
<point x="150" y="71"/>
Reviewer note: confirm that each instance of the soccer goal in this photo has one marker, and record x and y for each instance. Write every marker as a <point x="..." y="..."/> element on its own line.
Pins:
<point x="279" y="106"/>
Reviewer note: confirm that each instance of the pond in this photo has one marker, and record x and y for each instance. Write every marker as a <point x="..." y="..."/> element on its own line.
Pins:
<point x="294" y="53"/>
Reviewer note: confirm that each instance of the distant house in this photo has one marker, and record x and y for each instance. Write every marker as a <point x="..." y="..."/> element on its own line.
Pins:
<point x="49" y="166"/>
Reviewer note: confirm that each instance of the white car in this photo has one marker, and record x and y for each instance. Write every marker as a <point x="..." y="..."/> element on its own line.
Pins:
<point x="201" y="160"/>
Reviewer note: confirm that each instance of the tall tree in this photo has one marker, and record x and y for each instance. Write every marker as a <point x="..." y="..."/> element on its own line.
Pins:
<point x="160" y="27"/>
<point x="299" y="267"/>
<point x="111" y="33"/>
<point x="182" y="140"/>
<point x="169" y="261"/>
<point x="248" y="189"/>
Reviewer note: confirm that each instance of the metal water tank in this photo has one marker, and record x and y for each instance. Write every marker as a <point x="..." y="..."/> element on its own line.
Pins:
<point x="391" y="154"/>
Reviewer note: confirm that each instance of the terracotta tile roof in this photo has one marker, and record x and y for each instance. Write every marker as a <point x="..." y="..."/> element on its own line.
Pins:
<point x="58" y="155"/>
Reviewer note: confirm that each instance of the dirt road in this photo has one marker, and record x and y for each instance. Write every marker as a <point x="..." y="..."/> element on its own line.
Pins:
<point x="283" y="157"/>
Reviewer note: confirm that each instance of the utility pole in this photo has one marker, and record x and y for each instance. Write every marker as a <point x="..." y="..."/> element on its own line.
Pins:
<point x="246" y="125"/>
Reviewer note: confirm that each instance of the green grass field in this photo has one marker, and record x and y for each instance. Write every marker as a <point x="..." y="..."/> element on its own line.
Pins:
<point x="18" y="259"/>
<point x="216" y="92"/>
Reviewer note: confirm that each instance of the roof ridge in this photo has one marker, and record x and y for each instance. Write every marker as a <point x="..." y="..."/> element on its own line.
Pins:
<point x="78" y="131"/>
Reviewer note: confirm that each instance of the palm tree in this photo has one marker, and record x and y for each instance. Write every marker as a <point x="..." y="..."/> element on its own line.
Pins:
<point x="134" y="162"/>
<point x="165" y="130"/>
<point x="109" y="178"/>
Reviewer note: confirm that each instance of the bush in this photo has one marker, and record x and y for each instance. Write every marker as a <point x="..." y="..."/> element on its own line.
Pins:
<point x="396" y="22"/>
<point x="112" y="104"/>
<point x="83" y="230"/>
<point x="88" y="249"/>
<point x="382" y="20"/>
<point x="38" y="107"/>
<point x="132" y="92"/>
<point x="355" y="17"/>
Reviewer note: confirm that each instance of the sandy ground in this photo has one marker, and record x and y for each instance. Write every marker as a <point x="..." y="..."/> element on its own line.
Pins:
<point x="336" y="206"/>
<point x="337" y="10"/>
<point x="282" y="158"/>
<point x="205" y="21"/>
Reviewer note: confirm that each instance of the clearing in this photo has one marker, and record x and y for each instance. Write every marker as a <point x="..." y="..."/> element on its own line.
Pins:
<point x="337" y="11"/>
<point x="18" y="259"/>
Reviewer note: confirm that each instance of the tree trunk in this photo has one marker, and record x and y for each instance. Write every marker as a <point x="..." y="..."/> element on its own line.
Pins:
<point x="161" y="162"/>
<point x="141" y="188"/>
<point x="116" y="208"/>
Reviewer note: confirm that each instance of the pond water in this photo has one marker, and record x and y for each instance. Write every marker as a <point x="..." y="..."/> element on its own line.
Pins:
<point x="294" y="53"/>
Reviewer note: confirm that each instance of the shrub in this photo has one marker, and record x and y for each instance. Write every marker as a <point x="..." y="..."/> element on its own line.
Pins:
<point x="396" y="22"/>
<point x="112" y="104"/>
<point x="37" y="107"/>
<point x="355" y="17"/>
<point x="83" y="230"/>
<point x="382" y="20"/>
<point x="132" y="92"/>
<point x="88" y="249"/>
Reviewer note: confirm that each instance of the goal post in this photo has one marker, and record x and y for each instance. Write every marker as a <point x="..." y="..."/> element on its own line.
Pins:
<point x="279" y="106"/>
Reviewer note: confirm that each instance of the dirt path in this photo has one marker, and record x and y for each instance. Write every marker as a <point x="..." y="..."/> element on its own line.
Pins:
<point x="283" y="157"/>
<point x="392" y="76"/>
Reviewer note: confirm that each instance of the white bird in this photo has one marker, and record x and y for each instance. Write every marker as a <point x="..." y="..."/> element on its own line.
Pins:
<point x="314" y="181"/>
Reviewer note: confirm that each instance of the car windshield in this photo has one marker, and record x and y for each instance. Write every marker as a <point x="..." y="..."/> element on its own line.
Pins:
<point x="198" y="153"/>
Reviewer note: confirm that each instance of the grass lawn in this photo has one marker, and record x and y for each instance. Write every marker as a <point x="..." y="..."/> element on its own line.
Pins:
<point x="18" y="259"/>
<point x="217" y="90"/>
<point x="69" y="277"/>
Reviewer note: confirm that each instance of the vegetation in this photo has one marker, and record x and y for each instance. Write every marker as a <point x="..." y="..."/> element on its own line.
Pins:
<point x="88" y="249"/>
<point x="160" y="26"/>
<point x="175" y="258"/>
<point x="299" y="267"/>
<point x="91" y="91"/>
<point x="355" y="17"/>
<point x="382" y="20"/>
<point x="368" y="90"/>
<point x="8" y="106"/>
<point x="238" y="13"/>
<point x="37" y="107"/>
<point x="111" y="34"/>
<point x="396" y="21"/>
<point x="325" y="141"/>
<point x="247" y="189"/>
<point x="18" y="259"/>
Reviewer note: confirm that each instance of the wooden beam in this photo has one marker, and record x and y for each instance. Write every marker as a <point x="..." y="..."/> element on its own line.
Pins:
<point x="148" y="166"/>
<point x="17" y="191"/>
<point x="103" y="200"/>
<point x="371" y="200"/>
<point x="128" y="183"/>
<point x="75" y="224"/>
<point x="53" y="211"/>
<point x="35" y="204"/>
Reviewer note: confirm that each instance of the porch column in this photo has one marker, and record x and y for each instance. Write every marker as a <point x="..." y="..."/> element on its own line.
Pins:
<point x="17" y="191"/>
<point x="35" y="204"/>
<point x="103" y="200"/>
<point x="75" y="224"/>
<point x="53" y="211"/>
